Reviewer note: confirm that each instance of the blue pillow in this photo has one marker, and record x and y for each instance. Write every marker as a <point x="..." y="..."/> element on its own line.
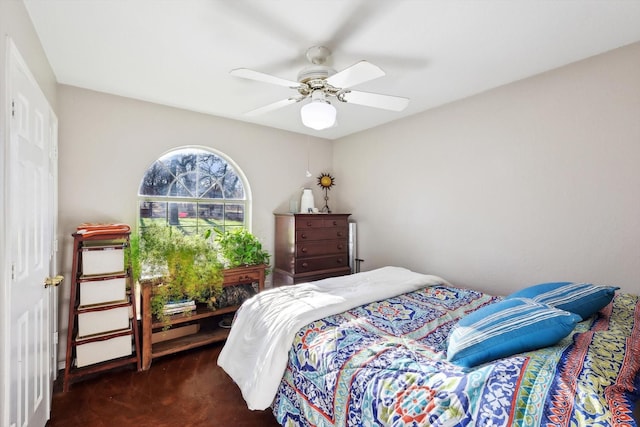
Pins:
<point x="584" y="299"/>
<point x="506" y="328"/>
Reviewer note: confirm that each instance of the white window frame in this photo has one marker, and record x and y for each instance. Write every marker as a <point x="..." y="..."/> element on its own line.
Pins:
<point x="246" y="202"/>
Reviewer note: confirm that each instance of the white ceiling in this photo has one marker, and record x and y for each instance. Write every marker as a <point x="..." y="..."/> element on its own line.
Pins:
<point x="180" y="52"/>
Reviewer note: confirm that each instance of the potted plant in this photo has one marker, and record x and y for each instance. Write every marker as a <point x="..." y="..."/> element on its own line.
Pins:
<point x="187" y="267"/>
<point x="237" y="247"/>
<point x="191" y="267"/>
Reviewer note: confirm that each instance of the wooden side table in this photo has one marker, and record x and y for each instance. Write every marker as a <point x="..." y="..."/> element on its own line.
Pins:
<point x="194" y="330"/>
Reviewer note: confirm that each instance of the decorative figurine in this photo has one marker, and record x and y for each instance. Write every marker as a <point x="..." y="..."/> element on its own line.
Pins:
<point x="326" y="181"/>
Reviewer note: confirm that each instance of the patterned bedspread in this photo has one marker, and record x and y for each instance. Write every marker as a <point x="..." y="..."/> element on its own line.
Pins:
<point x="385" y="364"/>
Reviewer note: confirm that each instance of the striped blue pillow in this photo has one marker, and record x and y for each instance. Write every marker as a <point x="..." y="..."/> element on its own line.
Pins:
<point x="506" y="328"/>
<point x="584" y="299"/>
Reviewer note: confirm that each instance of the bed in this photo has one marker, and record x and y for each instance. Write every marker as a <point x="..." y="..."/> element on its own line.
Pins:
<point x="372" y="349"/>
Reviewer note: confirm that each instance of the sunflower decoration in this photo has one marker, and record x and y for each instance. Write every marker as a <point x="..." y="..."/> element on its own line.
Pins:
<point x="326" y="181"/>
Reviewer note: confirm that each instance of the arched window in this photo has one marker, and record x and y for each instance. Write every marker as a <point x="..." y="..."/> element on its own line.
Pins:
<point x="194" y="189"/>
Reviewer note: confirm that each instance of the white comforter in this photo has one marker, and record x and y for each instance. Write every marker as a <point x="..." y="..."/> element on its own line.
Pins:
<point x="256" y="351"/>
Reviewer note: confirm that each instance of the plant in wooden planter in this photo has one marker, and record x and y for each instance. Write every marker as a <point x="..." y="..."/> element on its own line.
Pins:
<point x="238" y="247"/>
<point x="187" y="267"/>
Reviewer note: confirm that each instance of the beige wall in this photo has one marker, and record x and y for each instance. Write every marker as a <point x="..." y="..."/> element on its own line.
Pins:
<point x="16" y="23"/>
<point x="107" y="142"/>
<point x="534" y="181"/>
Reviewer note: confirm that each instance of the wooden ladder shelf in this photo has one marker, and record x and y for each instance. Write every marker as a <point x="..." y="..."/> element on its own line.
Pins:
<point x="103" y="326"/>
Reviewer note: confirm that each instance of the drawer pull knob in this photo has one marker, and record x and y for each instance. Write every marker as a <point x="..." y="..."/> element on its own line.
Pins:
<point x="335" y="222"/>
<point x="339" y="260"/>
<point x="304" y="236"/>
<point x="305" y="265"/>
<point x="340" y="246"/>
<point x="339" y="233"/>
<point x="304" y="249"/>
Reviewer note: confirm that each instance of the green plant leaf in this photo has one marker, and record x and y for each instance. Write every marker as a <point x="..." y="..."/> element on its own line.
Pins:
<point x="238" y="247"/>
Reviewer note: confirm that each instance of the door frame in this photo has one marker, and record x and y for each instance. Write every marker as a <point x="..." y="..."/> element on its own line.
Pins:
<point x="54" y="267"/>
<point x="5" y="277"/>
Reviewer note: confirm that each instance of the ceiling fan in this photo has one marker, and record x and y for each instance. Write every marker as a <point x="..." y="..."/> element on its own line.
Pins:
<point x="320" y="83"/>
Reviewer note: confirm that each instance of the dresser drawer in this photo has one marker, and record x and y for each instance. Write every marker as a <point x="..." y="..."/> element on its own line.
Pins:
<point x="321" y="247"/>
<point x="335" y="222"/>
<point x="321" y="234"/>
<point x="321" y="222"/>
<point x="240" y="278"/>
<point x="320" y="263"/>
<point x="304" y="223"/>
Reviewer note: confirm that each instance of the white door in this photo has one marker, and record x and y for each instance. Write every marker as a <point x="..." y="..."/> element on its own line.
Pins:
<point x="30" y="166"/>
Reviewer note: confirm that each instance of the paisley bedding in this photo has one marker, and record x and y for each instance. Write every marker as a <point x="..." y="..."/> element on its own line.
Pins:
<point x="384" y="364"/>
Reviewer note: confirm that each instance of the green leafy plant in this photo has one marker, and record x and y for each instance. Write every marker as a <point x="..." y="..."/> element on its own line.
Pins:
<point x="238" y="247"/>
<point x="132" y="256"/>
<point x="187" y="264"/>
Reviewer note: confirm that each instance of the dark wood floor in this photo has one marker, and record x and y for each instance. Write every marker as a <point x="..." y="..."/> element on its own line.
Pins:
<point x="187" y="389"/>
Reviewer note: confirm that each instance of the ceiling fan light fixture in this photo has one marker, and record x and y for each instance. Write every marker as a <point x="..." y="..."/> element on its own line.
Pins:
<point x="318" y="114"/>
<point x="318" y="82"/>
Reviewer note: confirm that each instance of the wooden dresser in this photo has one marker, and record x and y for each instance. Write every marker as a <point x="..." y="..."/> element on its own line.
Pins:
<point x="310" y="247"/>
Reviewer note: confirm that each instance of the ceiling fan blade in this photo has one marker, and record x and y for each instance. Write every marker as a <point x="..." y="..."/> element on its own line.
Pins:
<point x="275" y="106"/>
<point x="387" y="102"/>
<point x="246" y="73"/>
<point x="360" y="16"/>
<point x="359" y="72"/>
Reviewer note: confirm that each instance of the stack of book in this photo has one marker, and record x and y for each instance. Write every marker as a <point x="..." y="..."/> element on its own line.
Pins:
<point x="179" y="307"/>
